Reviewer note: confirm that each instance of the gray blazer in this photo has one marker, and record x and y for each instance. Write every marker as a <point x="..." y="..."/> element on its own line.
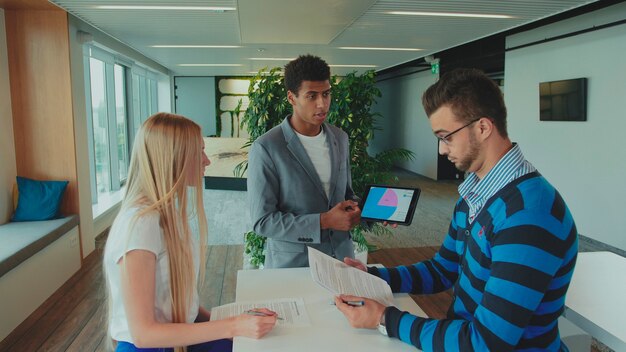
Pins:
<point x="287" y="197"/>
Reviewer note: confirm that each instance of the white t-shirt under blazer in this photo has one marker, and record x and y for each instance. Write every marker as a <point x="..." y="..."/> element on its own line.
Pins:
<point x="319" y="152"/>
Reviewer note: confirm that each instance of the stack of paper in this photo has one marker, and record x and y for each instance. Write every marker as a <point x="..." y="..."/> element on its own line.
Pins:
<point x="340" y="278"/>
<point x="291" y="311"/>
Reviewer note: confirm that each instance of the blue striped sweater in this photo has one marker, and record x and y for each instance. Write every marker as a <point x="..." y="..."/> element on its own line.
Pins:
<point x="509" y="269"/>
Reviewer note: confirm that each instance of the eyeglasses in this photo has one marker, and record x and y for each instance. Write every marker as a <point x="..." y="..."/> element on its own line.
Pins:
<point x="445" y="139"/>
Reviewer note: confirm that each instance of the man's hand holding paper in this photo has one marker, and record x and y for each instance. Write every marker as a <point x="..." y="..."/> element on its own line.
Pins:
<point x="355" y="263"/>
<point x="341" y="278"/>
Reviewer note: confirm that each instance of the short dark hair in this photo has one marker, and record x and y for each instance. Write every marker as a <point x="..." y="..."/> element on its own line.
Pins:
<point x="470" y="94"/>
<point x="305" y="68"/>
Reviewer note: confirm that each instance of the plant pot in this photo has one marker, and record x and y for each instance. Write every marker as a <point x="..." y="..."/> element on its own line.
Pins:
<point x="247" y="265"/>
<point x="360" y="254"/>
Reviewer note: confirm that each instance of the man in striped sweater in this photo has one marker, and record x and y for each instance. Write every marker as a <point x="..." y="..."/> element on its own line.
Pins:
<point x="511" y="246"/>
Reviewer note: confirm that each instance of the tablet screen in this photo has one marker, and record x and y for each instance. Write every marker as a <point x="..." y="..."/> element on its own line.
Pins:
<point x="393" y="204"/>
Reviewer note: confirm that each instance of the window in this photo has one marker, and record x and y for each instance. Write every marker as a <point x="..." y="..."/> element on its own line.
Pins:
<point x="136" y="104"/>
<point x="100" y="125"/>
<point x="144" y="97"/>
<point x="121" y="126"/>
<point x="120" y="96"/>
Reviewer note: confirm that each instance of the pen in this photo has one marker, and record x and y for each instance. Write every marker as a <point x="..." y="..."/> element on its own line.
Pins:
<point x="260" y="314"/>
<point x="354" y="303"/>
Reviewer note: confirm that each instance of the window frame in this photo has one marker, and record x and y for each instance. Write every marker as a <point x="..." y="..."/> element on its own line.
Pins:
<point x="147" y="100"/>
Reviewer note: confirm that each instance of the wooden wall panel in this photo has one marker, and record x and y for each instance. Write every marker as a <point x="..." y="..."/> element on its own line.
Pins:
<point x="39" y="72"/>
<point x="28" y="5"/>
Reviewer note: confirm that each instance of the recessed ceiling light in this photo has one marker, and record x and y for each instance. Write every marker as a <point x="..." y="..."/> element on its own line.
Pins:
<point x="446" y="14"/>
<point x="373" y="48"/>
<point x="158" y="7"/>
<point x="364" y="66"/>
<point x="216" y="65"/>
<point x="265" y="72"/>
<point x="195" y="46"/>
<point x="272" y="58"/>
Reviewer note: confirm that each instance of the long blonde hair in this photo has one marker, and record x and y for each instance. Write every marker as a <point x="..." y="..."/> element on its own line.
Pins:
<point x="166" y="161"/>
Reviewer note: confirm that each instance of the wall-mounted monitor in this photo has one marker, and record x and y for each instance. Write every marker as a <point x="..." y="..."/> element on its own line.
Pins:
<point x="564" y="100"/>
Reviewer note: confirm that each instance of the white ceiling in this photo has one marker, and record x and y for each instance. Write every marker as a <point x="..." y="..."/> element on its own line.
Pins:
<point x="287" y="28"/>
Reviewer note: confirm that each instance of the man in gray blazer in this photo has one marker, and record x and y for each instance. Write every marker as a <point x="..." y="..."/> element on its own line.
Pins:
<point x="299" y="183"/>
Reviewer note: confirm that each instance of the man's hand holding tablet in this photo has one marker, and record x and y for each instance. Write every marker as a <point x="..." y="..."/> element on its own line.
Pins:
<point x="389" y="204"/>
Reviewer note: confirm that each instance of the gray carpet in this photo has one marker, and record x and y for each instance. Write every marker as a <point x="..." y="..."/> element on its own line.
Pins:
<point x="432" y="214"/>
<point x="229" y="217"/>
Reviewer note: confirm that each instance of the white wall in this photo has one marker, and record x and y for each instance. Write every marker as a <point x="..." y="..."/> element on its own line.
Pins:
<point x="164" y="94"/>
<point x="585" y="161"/>
<point x="195" y="99"/>
<point x="405" y="124"/>
<point x="8" y="168"/>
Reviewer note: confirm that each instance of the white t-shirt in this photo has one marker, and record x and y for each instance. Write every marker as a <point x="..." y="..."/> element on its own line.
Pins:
<point x="319" y="152"/>
<point x="147" y="235"/>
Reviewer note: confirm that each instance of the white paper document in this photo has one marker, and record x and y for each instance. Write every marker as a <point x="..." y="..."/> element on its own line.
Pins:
<point x="291" y="310"/>
<point x="340" y="278"/>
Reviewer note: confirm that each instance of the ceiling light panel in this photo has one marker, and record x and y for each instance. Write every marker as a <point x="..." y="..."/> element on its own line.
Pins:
<point x="196" y="46"/>
<point x="164" y="8"/>
<point x="357" y="66"/>
<point x="272" y="58"/>
<point x="447" y="14"/>
<point x="379" y="49"/>
<point x="210" y="65"/>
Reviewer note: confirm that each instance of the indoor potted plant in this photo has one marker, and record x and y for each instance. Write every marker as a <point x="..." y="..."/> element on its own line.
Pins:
<point x="353" y="96"/>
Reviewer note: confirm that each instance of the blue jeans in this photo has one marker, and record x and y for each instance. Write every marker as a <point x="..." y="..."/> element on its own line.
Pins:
<point x="223" y="345"/>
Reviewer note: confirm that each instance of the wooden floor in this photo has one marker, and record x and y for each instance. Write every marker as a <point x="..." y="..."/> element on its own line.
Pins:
<point x="73" y="319"/>
<point x="70" y="320"/>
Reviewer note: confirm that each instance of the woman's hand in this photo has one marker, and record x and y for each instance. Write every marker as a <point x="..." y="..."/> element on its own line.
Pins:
<point x="255" y="326"/>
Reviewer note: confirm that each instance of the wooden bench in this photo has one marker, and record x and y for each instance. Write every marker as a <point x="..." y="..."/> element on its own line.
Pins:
<point x="36" y="258"/>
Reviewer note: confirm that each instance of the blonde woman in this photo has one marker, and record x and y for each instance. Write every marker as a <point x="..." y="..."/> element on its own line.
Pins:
<point x="153" y="261"/>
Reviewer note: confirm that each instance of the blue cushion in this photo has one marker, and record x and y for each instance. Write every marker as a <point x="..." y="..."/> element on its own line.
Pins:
<point x="38" y="200"/>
